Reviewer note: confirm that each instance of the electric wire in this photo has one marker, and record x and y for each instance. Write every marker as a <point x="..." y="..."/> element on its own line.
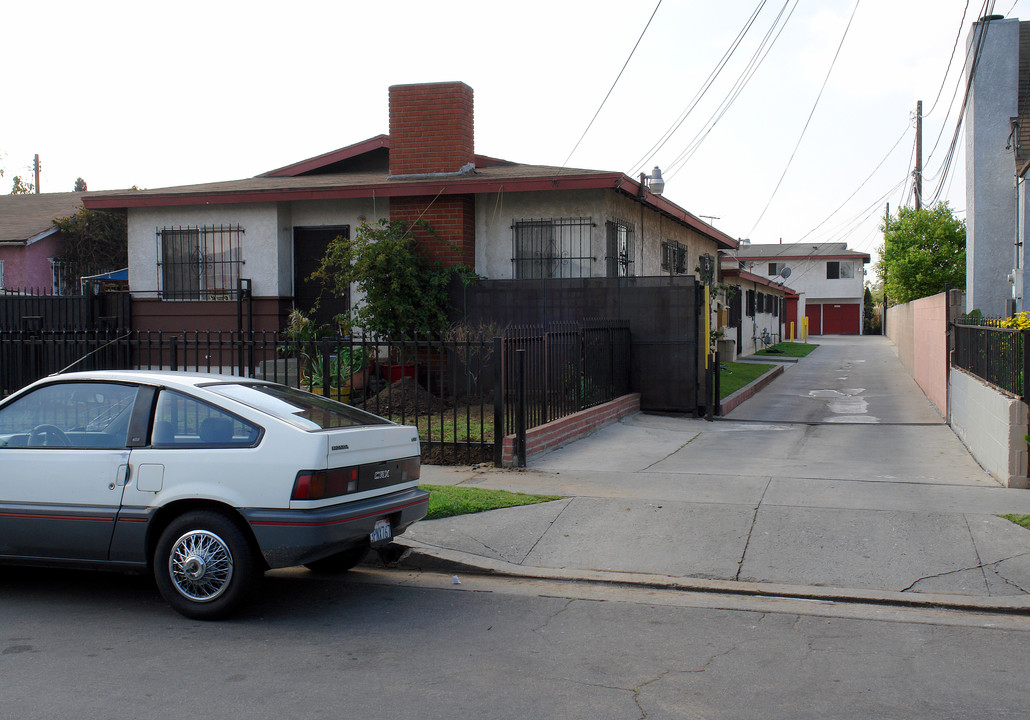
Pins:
<point x="862" y="185"/>
<point x="631" y="53"/>
<point x="757" y="58"/>
<point x="810" y="114"/>
<point x="712" y="76"/>
<point x="954" y="47"/>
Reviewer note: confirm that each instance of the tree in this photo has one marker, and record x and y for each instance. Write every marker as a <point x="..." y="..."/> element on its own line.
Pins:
<point x="97" y="241"/>
<point x="21" y="187"/>
<point x="404" y="293"/>
<point x="80" y="185"/>
<point x="923" y="251"/>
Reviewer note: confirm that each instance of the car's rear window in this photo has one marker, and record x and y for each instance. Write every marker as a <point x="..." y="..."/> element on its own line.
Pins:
<point x="306" y="411"/>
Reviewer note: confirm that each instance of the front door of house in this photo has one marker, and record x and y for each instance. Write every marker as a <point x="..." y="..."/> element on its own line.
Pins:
<point x="309" y="246"/>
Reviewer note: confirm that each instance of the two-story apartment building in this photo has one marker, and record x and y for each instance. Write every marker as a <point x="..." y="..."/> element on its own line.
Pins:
<point x="828" y="278"/>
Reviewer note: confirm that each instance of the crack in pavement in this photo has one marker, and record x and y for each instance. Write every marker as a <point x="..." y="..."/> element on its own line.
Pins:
<point x="751" y="528"/>
<point x="549" y="526"/>
<point x="656" y="462"/>
<point x="981" y="567"/>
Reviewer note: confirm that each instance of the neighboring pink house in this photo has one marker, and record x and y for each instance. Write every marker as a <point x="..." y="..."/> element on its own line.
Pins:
<point x="29" y="240"/>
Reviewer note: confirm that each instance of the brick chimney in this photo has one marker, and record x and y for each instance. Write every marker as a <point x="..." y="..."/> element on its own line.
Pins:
<point x="431" y="128"/>
<point x="431" y="131"/>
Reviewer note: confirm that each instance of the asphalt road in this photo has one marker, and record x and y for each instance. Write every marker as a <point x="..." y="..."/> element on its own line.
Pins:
<point x="395" y="644"/>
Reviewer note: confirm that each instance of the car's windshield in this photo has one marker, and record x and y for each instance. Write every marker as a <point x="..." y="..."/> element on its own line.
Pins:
<point x="306" y="411"/>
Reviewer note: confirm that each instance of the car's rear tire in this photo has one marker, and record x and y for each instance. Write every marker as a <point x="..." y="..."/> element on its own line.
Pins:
<point x="341" y="562"/>
<point x="204" y="565"/>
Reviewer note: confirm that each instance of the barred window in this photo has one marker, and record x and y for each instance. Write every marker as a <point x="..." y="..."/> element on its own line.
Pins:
<point x="553" y="248"/>
<point x="61" y="283"/>
<point x="619" y="259"/>
<point x="761" y="303"/>
<point x="199" y="263"/>
<point x="750" y="307"/>
<point x="674" y="257"/>
<point x="2" y="286"/>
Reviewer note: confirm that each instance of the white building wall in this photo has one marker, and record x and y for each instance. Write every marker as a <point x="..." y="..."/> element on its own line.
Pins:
<point x="990" y="167"/>
<point x="258" y="247"/>
<point x="808" y="277"/>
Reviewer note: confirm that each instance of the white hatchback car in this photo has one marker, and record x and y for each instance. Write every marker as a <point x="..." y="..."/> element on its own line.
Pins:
<point x="206" y="480"/>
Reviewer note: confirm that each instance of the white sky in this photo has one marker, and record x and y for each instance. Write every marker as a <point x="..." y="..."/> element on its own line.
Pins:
<point x="162" y="94"/>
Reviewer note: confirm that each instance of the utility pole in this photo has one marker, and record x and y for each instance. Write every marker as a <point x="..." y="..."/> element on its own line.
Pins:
<point x="917" y="174"/>
<point x="883" y="320"/>
<point x="35" y="168"/>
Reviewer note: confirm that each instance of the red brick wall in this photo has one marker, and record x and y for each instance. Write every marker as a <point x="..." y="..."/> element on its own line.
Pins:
<point x="561" y="432"/>
<point x="452" y="218"/>
<point x="431" y="128"/>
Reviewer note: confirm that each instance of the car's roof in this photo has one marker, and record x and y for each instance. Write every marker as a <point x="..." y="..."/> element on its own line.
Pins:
<point x="151" y="377"/>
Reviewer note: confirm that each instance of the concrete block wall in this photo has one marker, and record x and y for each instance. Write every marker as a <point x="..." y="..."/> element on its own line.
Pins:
<point x="561" y="432"/>
<point x="992" y="425"/>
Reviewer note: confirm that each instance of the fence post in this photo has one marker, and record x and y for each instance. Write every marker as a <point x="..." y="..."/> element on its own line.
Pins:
<point x="1024" y="336"/>
<point x="520" y="408"/>
<point x="326" y="371"/>
<point x="498" y="403"/>
<point x="173" y="344"/>
<point x="718" y="386"/>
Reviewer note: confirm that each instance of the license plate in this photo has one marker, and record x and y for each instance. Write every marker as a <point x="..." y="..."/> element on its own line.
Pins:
<point x="382" y="533"/>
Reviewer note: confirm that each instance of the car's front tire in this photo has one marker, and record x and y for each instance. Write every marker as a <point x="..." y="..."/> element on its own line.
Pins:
<point x="204" y="565"/>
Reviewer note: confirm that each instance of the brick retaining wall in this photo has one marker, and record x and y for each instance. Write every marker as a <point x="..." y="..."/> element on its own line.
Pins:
<point x="561" y="432"/>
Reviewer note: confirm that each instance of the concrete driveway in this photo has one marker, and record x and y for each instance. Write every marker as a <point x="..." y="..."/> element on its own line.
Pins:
<point x="839" y="475"/>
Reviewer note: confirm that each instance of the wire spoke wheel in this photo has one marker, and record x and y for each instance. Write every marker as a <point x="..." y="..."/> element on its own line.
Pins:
<point x="201" y="566"/>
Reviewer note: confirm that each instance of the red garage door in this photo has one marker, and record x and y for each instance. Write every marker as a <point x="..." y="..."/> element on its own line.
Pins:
<point x="841" y="319"/>
<point x="814" y="315"/>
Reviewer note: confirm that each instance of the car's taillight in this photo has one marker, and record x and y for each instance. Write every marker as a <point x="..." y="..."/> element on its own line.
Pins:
<point x="322" y="484"/>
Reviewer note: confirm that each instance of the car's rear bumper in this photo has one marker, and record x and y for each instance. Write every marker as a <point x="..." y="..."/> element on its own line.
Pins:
<point x="295" y="537"/>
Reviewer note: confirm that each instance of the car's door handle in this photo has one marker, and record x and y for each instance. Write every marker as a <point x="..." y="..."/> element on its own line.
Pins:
<point x="121" y="477"/>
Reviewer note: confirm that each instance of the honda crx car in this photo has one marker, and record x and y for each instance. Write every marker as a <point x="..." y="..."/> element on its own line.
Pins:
<point x="205" y="480"/>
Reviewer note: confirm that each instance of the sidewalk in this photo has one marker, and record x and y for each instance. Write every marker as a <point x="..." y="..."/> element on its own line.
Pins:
<point x="865" y="511"/>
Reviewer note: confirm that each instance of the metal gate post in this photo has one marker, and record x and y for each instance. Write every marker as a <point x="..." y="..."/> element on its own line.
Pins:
<point x="498" y="403"/>
<point x="520" y="408"/>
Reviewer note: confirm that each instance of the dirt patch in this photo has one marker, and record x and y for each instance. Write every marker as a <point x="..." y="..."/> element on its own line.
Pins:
<point x="406" y="397"/>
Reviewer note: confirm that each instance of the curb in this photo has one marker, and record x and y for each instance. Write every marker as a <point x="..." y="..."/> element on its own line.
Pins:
<point x="730" y="402"/>
<point x="413" y="555"/>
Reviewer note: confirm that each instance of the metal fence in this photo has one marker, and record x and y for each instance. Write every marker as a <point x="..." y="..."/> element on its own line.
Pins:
<point x="458" y="390"/>
<point x="38" y="310"/>
<point x="994" y="354"/>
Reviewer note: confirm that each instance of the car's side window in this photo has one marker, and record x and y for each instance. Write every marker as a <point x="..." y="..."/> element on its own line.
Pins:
<point x="184" y="421"/>
<point x="73" y="415"/>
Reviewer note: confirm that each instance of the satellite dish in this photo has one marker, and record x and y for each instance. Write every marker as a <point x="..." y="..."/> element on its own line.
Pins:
<point x="785" y="273"/>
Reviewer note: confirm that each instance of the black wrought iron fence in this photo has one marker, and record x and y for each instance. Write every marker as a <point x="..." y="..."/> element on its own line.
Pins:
<point x="995" y="354"/>
<point x="568" y="367"/>
<point x="457" y="390"/>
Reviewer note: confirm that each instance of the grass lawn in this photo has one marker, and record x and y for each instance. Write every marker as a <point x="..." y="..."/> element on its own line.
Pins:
<point x="788" y="349"/>
<point x="735" y="375"/>
<point x="450" y="500"/>
<point x="1023" y="520"/>
<point x="460" y="426"/>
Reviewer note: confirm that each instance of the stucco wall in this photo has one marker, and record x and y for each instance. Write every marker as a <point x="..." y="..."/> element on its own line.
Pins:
<point x="808" y="277"/>
<point x="992" y="425"/>
<point x="28" y="267"/>
<point x="496" y="212"/>
<point x="919" y="332"/>
<point x="258" y="247"/>
<point x="990" y="173"/>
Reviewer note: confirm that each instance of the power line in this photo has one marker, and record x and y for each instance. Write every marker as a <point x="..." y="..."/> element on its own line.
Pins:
<point x="954" y="47"/>
<point x="809" y="120"/>
<point x="889" y="153"/>
<point x="712" y="76"/>
<point x="757" y="58"/>
<point x="635" y="46"/>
